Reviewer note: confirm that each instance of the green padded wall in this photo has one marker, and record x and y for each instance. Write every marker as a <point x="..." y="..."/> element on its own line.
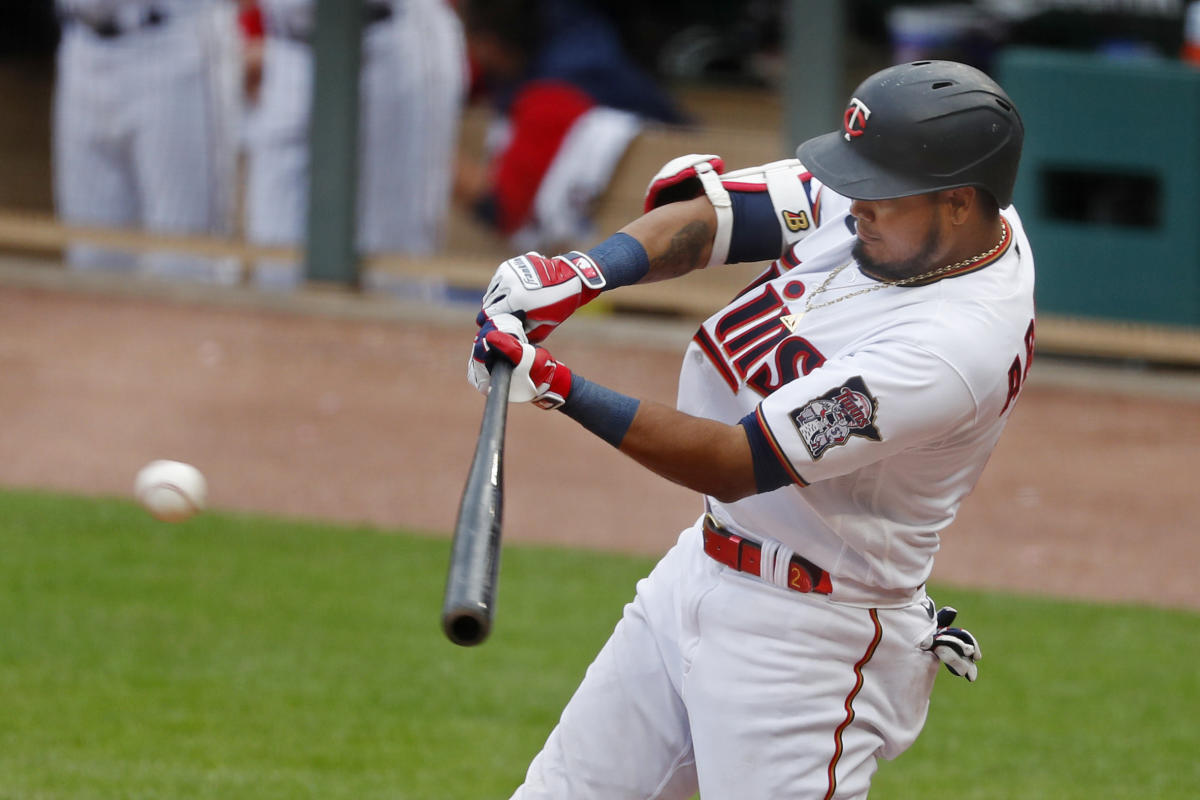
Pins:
<point x="1109" y="187"/>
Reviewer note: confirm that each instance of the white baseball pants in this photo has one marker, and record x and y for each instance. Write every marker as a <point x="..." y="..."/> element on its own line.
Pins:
<point x="717" y="682"/>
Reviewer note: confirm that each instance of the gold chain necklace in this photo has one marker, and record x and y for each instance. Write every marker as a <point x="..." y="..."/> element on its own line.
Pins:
<point x="791" y="319"/>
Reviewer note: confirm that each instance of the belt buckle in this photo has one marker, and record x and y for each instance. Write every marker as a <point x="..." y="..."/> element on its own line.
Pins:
<point x="722" y="545"/>
<point x="730" y="549"/>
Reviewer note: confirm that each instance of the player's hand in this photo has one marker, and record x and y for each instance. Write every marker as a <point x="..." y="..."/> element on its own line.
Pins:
<point x="480" y="363"/>
<point x="954" y="647"/>
<point x="541" y="291"/>
<point x="537" y="377"/>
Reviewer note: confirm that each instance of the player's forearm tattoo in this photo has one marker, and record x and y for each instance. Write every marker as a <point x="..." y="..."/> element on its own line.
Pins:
<point x="684" y="251"/>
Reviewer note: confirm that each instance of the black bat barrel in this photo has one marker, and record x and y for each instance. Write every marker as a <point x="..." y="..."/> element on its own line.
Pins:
<point x="470" y="597"/>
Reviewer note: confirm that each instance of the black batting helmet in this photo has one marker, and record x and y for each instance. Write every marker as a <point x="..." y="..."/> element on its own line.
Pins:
<point x="921" y="127"/>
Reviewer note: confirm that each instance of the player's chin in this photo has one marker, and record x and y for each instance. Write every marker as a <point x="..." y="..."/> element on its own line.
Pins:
<point x="862" y="251"/>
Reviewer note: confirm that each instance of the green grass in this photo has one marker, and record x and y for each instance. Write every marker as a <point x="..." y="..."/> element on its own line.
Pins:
<point x="242" y="657"/>
<point x="1074" y="701"/>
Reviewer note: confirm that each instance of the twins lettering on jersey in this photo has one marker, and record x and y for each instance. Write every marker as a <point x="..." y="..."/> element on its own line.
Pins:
<point x="832" y="418"/>
<point x="752" y="343"/>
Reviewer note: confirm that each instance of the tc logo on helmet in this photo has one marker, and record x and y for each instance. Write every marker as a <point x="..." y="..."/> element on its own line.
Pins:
<point x="855" y="121"/>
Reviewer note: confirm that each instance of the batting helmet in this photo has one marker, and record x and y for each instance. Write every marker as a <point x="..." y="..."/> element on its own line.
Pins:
<point x="921" y="127"/>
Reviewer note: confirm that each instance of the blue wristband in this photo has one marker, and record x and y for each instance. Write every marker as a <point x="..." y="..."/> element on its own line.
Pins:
<point x="622" y="259"/>
<point x="602" y="411"/>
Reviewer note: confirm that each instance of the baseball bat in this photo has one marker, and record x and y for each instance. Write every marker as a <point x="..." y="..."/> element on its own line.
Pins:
<point x="470" y="599"/>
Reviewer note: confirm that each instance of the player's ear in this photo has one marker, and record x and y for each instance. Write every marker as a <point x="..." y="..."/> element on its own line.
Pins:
<point x="959" y="202"/>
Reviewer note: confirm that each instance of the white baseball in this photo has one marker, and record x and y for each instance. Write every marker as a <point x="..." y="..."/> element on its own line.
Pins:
<point x="171" y="490"/>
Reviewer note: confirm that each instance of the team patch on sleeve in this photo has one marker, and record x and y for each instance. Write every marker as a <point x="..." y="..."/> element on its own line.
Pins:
<point x="831" y="419"/>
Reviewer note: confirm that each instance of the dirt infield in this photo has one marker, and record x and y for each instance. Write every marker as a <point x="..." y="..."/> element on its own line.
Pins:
<point x="353" y="417"/>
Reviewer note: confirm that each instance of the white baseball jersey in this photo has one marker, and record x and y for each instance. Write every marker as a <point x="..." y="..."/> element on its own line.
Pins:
<point x="879" y="405"/>
<point x="145" y="125"/>
<point x="882" y="402"/>
<point x="412" y="85"/>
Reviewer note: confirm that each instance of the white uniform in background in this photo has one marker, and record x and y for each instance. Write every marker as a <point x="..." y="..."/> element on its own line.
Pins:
<point x="413" y="84"/>
<point x="145" y="126"/>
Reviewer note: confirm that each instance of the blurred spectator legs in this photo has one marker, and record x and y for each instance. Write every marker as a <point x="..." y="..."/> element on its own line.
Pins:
<point x="412" y="86"/>
<point x="144" y="134"/>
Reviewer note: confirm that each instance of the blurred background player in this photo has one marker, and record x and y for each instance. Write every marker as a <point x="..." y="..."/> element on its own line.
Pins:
<point x="567" y="100"/>
<point x="144" y="126"/>
<point x="412" y="88"/>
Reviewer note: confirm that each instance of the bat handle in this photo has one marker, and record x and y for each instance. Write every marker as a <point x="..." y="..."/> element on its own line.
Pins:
<point x="501" y="379"/>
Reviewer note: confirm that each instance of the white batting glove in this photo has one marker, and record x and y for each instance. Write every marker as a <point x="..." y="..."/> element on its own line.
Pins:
<point x="477" y="365"/>
<point x="536" y="378"/>
<point x="954" y="647"/>
<point x="541" y="291"/>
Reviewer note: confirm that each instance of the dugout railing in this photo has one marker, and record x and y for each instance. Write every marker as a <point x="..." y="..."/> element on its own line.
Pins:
<point x="34" y="240"/>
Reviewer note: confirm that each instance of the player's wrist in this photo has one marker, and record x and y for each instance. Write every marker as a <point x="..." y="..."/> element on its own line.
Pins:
<point x="621" y="259"/>
<point x="604" y="412"/>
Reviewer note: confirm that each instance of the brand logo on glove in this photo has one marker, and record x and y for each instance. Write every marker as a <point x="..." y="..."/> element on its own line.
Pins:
<point x="526" y="272"/>
<point x="831" y="419"/>
<point x="855" y="121"/>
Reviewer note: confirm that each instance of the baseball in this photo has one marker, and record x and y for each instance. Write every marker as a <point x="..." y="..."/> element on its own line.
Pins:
<point x="171" y="490"/>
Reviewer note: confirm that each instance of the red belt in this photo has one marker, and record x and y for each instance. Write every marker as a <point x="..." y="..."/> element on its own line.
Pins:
<point x="744" y="555"/>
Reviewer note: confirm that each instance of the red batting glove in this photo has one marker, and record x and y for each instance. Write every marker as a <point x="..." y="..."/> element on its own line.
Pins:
<point x="537" y="377"/>
<point x="542" y="291"/>
<point x="479" y="366"/>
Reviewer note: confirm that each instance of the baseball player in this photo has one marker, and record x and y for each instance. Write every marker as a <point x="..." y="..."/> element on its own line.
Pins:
<point x="833" y="416"/>
<point x="412" y="84"/>
<point x="145" y="126"/>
